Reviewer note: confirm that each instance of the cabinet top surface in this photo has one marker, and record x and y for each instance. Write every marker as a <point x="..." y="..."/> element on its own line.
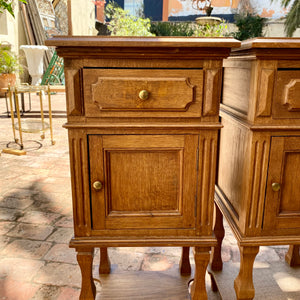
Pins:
<point x="109" y="41"/>
<point x="271" y="43"/>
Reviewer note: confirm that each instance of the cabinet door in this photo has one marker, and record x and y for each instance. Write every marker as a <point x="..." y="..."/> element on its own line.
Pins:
<point x="282" y="205"/>
<point x="149" y="181"/>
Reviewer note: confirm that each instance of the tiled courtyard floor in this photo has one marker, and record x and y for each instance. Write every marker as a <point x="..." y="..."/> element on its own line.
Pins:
<point x="36" y="226"/>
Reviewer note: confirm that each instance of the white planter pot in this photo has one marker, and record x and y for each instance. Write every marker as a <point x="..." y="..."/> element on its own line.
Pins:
<point x="34" y="56"/>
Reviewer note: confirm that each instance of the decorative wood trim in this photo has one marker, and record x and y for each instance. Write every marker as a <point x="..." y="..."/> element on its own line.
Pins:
<point x="76" y="107"/>
<point x="74" y="93"/>
<point x="134" y="53"/>
<point x="80" y="191"/>
<point x="265" y="94"/>
<point x="257" y="184"/>
<point x="172" y="128"/>
<point x="212" y="91"/>
<point x="206" y="181"/>
<point x="95" y="42"/>
<point x="291" y="95"/>
<point x="156" y="102"/>
<point x="133" y="241"/>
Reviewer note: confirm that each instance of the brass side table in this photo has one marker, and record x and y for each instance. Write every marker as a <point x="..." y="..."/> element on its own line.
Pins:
<point x="28" y="126"/>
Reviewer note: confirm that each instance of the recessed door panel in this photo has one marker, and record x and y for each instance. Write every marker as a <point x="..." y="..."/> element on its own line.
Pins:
<point x="148" y="181"/>
<point x="144" y="181"/>
<point x="282" y="205"/>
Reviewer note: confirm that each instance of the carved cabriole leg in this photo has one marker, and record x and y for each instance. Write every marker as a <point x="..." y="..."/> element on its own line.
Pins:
<point x="198" y="289"/>
<point x="216" y="263"/>
<point x="104" y="267"/>
<point x="292" y="257"/>
<point x="85" y="260"/>
<point x="243" y="284"/>
<point x="184" y="265"/>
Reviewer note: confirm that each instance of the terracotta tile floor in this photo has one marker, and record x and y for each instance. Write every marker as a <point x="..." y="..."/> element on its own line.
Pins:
<point x="36" y="225"/>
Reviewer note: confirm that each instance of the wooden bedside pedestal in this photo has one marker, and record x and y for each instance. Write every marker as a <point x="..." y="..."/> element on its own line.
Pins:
<point x="143" y="123"/>
<point x="258" y="182"/>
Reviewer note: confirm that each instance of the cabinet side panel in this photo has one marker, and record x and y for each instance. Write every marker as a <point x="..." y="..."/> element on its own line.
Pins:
<point x="236" y="88"/>
<point x="232" y="165"/>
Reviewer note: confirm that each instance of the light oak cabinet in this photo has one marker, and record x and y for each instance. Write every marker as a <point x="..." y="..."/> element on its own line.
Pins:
<point x="143" y="124"/>
<point x="258" y="181"/>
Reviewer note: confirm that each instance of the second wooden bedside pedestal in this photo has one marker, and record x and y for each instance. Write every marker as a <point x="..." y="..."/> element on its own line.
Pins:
<point x="143" y="121"/>
<point x="258" y="182"/>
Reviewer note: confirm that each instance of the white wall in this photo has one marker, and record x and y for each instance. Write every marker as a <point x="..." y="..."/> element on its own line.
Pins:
<point x="265" y="8"/>
<point x="83" y="17"/>
<point x="275" y="28"/>
<point x="11" y="31"/>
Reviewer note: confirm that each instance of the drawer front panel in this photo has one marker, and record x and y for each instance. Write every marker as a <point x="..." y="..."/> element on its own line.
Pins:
<point x="142" y="92"/>
<point x="282" y="205"/>
<point x="287" y="94"/>
<point x="148" y="182"/>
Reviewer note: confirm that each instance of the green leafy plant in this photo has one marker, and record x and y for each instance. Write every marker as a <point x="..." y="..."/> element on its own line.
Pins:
<point x="188" y="29"/>
<point x="8" y="5"/>
<point x="172" y="28"/>
<point x="9" y="62"/>
<point x="211" y="30"/>
<point x="249" y="26"/>
<point x="123" y="24"/>
<point x="292" y="21"/>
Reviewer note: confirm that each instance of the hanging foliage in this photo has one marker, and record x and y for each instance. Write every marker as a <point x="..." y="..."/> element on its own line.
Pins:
<point x="292" y="21"/>
<point x="8" y="5"/>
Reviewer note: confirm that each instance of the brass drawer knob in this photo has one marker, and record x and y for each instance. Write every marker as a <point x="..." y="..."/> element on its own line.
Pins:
<point x="97" y="185"/>
<point x="144" y="95"/>
<point x="275" y="186"/>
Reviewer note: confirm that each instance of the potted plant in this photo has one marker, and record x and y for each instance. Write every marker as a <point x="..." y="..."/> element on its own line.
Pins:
<point x="9" y="65"/>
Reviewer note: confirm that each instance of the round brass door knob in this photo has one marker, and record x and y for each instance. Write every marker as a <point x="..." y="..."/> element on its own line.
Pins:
<point x="275" y="186"/>
<point x="97" y="185"/>
<point x="144" y="95"/>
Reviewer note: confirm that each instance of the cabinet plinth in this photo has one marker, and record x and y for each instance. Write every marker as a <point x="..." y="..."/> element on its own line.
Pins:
<point x="143" y="123"/>
<point x="258" y="180"/>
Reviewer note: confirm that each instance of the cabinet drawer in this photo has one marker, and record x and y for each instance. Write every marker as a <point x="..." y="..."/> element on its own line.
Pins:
<point x="287" y="94"/>
<point x="142" y="92"/>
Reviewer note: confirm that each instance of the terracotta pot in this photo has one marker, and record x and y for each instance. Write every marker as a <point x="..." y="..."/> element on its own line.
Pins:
<point x="5" y="80"/>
